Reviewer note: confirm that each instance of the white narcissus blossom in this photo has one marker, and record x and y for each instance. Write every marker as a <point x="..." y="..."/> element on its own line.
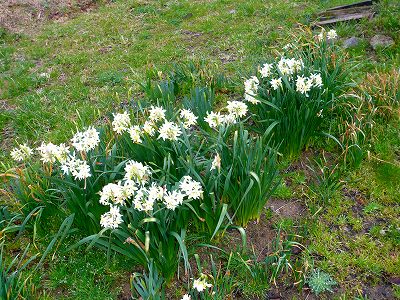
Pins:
<point x="316" y="80"/>
<point x="148" y="127"/>
<point x="288" y="66"/>
<point x="22" y="152"/>
<point x="251" y="84"/>
<point x="228" y="119"/>
<point x="76" y="167"/>
<point x="111" y="219"/>
<point x="201" y="284"/>
<point x="188" y="117"/>
<point x="135" y="134"/>
<point x="251" y="99"/>
<point x="62" y="153"/>
<point x="155" y="192"/>
<point x="142" y="201"/>
<point x="121" y="122"/>
<point x="251" y="88"/>
<point x="331" y="35"/>
<point x="321" y="35"/>
<point x="128" y="188"/>
<point x="237" y="108"/>
<point x="86" y="140"/>
<point x="112" y="193"/>
<point x="266" y="70"/>
<point x="276" y="83"/>
<point x="288" y="46"/>
<point x="191" y="188"/>
<point x="297" y="64"/>
<point x="169" y="131"/>
<point x="136" y="171"/>
<point x="48" y="152"/>
<point x="303" y="85"/>
<point x="186" y="297"/>
<point x="214" y="119"/>
<point x="216" y="163"/>
<point x="173" y="199"/>
<point x="157" y="113"/>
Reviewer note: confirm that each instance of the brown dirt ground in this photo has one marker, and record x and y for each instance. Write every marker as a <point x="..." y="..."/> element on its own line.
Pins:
<point x="27" y="16"/>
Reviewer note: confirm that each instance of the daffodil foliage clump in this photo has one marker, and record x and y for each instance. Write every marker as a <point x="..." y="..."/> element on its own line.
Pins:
<point x="137" y="184"/>
<point x="295" y="95"/>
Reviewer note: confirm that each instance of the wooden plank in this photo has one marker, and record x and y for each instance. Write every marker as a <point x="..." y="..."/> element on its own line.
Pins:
<point x="357" y="4"/>
<point x="343" y="12"/>
<point x="344" y="18"/>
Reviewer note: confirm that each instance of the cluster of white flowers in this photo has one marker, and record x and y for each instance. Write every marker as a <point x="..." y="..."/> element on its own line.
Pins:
<point x="276" y="83"/>
<point x="266" y="70"/>
<point x="156" y="113"/>
<point x="113" y="194"/>
<point x="189" y="118"/>
<point x="121" y="122"/>
<point x="86" y="140"/>
<point x="134" y="186"/>
<point x="191" y="188"/>
<point x="289" y="66"/>
<point x="137" y="172"/>
<point x="21" y="153"/>
<point x="169" y="131"/>
<point x="236" y="110"/>
<point x="76" y="167"/>
<point x="49" y="152"/>
<point x="145" y="197"/>
<point x="135" y="134"/>
<point x="273" y="74"/>
<point x="214" y="119"/>
<point x="112" y="218"/>
<point x="330" y="35"/>
<point x="69" y="163"/>
<point x="251" y="88"/>
<point x="148" y="127"/>
<point x="304" y="84"/>
<point x="187" y="188"/>
<point x="173" y="199"/>
<point x="201" y="284"/>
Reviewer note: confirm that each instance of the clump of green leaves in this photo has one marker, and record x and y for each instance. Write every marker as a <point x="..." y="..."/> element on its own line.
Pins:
<point x="13" y="284"/>
<point x="148" y="286"/>
<point x="320" y="282"/>
<point x="326" y="179"/>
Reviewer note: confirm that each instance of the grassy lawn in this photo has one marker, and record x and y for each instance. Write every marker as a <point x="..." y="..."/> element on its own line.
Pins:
<point x="74" y="72"/>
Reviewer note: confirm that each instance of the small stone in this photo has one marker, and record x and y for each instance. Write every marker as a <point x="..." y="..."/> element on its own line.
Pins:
<point x="351" y="42"/>
<point x="232" y="11"/>
<point x="380" y="40"/>
<point x="187" y="16"/>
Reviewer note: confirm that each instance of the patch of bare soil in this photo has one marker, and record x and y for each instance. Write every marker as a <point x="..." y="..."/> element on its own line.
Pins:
<point x="290" y="292"/>
<point x="293" y="208"/>
<point x="6" y="137"/>
<point x="5" y="106"/>
<point x="26" y="16"/>
<point x="126" y="292"/>
<point x="260" y="236"/>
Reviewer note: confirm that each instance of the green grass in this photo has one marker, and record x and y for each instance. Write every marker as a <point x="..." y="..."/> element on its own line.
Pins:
<point x="94" y="62"/>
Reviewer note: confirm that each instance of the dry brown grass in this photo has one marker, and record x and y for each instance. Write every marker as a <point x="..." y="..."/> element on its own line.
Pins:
<point x="383" y="91"/>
